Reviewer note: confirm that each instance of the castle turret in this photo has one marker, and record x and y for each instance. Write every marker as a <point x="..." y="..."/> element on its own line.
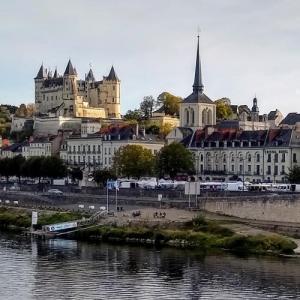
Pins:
<point x="69" y="89"/>
<point x="38" y="82"/>
<point x="110" y="91"/>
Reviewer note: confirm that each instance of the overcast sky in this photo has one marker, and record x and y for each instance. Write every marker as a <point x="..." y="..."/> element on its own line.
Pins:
<point x="247" y="47"/>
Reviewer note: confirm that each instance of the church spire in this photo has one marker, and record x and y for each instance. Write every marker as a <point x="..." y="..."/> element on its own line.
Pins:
<point x="198" y="85"/>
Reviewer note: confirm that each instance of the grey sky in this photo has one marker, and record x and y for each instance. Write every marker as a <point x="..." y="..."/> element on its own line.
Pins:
<point x="247" y="47"/>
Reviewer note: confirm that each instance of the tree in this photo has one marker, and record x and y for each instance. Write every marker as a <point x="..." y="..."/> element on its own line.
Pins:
<point x="134" y="161"/>
<point x="21" y="111"/>
<point x="147" y="106"/>
<point x="133" y="115"/>
<point x="16" y="165"/>
<point x="5" y="169"/>
<point x="152" y="129"/>
<point x="53" y="167"/>
<point x="174" y="159"/>
<point x="30" y="109"/>
<point x="294" y="175"/>
<point x="101" y="176"/>
<point x="76" y="173"/>
<point x="223" y="109"/>
<point x="170" y="103"/>
<point x="165" y="129"/>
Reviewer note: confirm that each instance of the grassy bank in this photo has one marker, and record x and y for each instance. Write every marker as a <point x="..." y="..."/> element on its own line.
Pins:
<point x="198" y="233"/>
<point x="21" y="218"/>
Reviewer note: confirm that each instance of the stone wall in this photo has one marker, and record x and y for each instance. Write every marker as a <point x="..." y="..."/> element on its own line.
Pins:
<point x="281" y="208"/>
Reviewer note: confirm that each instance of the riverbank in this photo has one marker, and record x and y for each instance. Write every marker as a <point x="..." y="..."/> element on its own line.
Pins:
<point x="188" y="231"/>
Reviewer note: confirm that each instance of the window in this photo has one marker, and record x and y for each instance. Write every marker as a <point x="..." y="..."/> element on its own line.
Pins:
<point x="94" y="148"/>
<point x="249" y="158"/>
<point x="275" y="170"/>
<point x="257" y="169"/>
<point x="201" y="157"/>
<point x="282" y="170"/>
<point x="241" y="168"/>
<point x="249" y="168"/>
<point x="269" y="157"/>
<point x="276" y="157"/>
<point x="283" y="157"/>
<point x="99" y="149"/>
<point x="269" y="170"/>
<point x="294" y="157"/>
<point x="232" y="168"/>
<point x="74" y="149"/>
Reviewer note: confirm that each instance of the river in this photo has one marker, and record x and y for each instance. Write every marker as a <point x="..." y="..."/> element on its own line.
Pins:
<point x="67" y="269"/>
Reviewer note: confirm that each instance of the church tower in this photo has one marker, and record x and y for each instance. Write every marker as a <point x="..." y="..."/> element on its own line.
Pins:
<point x="110" y="95"/>
<point x="197" y="110"/>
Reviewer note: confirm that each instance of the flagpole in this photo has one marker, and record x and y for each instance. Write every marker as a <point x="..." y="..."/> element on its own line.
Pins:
<point x="116" y="196"/>
<point x="107" y="195"/>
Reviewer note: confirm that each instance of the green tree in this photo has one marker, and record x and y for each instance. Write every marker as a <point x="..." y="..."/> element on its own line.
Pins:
<point x="147" y="106"/>
<point x="133" y="115"/>
<point x="53" y="167"/>
<point x="174" y="159"/>
<point x="16" y="165"/>
<point x="294" y="175"/>
<point x="170" y="103"/>
<point x="101" y="176"/>
<point x="165" y="129"/>
<point x="75" y="173"/>
<point x="134" y="161"/>
<point x="5" y="169"/>
<point x="223" y="109"/>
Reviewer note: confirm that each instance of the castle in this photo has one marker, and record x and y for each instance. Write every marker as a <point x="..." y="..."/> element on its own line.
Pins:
<point x="68" y="96"/>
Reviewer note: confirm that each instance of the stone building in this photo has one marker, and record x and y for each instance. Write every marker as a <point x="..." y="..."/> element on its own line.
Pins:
<point x="254" y="156"/>
<point x="69" y="96"/>
<point x="96" y="151"/>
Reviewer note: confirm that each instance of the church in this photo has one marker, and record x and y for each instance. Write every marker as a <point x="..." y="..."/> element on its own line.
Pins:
<point x="68" y="96"/>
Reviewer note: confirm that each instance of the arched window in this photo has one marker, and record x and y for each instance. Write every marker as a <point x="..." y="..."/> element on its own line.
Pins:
<point x="187" y="117"/>
<point x="193" y="117"/>
<point x="204" y="117"/>
<point x="209" y="117"/>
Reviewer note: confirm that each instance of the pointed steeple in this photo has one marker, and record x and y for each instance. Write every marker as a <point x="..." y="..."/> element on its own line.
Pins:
<point x="90" y="76"/>
<point x="112" y="75"/>
<point x="55" y="73"/>
<point x="41" y="73"/>
<point x="69" y="69"/>
<point x="198" y="85"/>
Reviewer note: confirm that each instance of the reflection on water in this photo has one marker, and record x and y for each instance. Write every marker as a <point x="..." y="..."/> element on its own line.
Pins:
<point x="65" y="269"/>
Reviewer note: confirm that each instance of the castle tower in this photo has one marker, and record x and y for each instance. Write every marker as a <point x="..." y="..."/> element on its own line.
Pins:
<point x="69" y="89"/>
<point x="197" y="110"/>
<point x="110" y="95"/>
<point x="38" y="82"/>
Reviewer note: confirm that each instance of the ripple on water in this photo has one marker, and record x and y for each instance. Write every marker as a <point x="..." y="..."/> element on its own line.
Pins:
<point x="63" y="269"/>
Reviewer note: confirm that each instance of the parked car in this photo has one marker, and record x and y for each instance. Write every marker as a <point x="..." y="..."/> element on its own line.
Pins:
<point x="55" y="192"/>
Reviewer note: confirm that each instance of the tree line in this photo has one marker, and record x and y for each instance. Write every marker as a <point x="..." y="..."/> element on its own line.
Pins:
<point x="34" y="167"/>
<point x="137" y="161"/>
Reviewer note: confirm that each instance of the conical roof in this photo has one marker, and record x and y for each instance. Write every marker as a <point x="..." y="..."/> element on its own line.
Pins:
<point x="41" y="73"/>
<point x="69" y="69"/>
<point x="112" y="75"/>
<point x="90" y="76"/>
<point x="197" y="95"/>
<point x="55" y="74"/>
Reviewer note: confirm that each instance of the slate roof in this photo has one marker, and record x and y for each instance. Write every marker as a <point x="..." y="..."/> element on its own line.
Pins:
<point x="90" y="76"/>
<point x="197" y="97"/>
<point x="112" y="75"/>
<point x="17" y="147"/>
<point x="52" y="82"/>
<point x="69" y="69"/>
<point x="258" y="138"/>
<point x="291" y="119"/>
<point x="41" y="73"/>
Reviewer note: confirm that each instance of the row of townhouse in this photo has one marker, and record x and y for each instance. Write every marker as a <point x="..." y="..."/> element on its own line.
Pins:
<point x="96" y="151"/>
<point x="254" y="156"/>
<point x="40" y="147"/>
